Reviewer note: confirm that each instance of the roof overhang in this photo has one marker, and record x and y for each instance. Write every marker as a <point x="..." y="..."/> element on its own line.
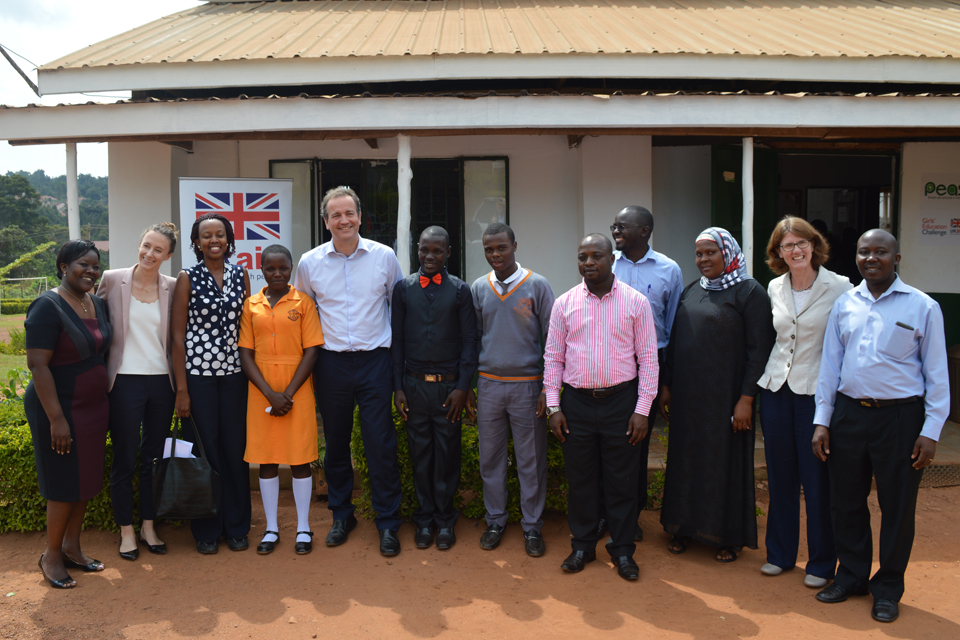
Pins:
<point x="306" y="118"/>
<point x="341" y="70"/>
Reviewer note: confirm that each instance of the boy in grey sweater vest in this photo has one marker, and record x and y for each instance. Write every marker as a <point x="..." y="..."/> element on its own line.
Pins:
<point x="513" y="308"/>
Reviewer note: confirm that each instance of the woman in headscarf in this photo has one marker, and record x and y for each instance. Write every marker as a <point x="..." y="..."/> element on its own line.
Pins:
<point x="721" y="339"/>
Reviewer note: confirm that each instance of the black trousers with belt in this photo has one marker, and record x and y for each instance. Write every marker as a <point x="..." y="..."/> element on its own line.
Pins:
<point x="435" y="451"/>
<point x="598" y="443"/>
<point x="867" y="443"/>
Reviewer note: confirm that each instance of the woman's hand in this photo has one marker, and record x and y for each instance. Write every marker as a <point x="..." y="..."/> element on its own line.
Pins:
<point x="743" y="414"/>
<point x="182" y="404"/>
<point x="60" y="440"/>
<point x="280" y="403"/>
<point x="665" y="403"/>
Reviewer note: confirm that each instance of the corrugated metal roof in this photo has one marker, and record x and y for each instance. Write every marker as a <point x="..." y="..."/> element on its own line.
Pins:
<point x="340" y="28"/>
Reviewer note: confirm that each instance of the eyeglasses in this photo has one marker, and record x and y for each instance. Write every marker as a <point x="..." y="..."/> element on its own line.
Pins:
<point x="621" y="227"/>
<point x="788" y="247"/>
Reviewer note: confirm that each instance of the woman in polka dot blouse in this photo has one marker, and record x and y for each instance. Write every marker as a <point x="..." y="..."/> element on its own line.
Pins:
<point x="211" y="386"/>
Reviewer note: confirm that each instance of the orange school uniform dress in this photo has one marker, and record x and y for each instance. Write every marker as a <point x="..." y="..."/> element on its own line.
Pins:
<point x="278" y="337"/>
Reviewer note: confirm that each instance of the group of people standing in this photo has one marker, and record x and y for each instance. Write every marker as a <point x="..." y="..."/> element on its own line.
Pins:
<point x="829" y="363"/>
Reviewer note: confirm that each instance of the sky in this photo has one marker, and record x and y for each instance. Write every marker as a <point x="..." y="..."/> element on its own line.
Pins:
<point x="44" y="30"/>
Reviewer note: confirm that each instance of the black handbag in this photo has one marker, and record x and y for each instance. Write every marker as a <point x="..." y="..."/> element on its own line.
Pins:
<point x="185" y="488"/>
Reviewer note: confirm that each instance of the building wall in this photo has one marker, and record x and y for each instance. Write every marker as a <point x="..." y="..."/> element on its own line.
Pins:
<point x="930" y="268"/>
<point x="552" y="206"/>
<point x="681" y="203"/>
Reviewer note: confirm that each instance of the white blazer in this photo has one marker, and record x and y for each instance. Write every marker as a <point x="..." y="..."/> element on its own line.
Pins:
<point x="116" y="288"/>
<point x="795" y="358"/>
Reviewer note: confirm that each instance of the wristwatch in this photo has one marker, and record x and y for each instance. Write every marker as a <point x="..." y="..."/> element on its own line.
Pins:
<point x="552" y="410"/>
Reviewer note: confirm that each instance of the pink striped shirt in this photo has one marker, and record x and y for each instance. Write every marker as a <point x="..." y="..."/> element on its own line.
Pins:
<point x="596" y="343"/>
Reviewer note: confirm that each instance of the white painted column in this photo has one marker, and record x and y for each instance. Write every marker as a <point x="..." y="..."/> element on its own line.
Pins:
<point x="747" y="187"/>
<point x="73" y="193"/>
<point x="404" y="177"/>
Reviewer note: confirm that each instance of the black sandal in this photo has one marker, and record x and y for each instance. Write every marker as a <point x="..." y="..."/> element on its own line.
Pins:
<point x="66" y="583"/>
<point x="266" y="548"/>
<point x="680" y="541"/>
<point x="732" y="550"/>
<point x="303" y="548"/>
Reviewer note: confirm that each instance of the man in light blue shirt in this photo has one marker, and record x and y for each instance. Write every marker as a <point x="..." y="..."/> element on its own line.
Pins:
<point x="659" y="279"/>
<point x="351" y="279"/>
<point x="883" y="393"/>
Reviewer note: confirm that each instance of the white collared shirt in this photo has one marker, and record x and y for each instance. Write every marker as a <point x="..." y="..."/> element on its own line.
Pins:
<point x="352" y="293"/>
<point x="511" y="283"/>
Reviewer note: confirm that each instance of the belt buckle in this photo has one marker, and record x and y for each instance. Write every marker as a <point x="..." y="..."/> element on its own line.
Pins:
<point x="597" y="393"/>
<point x="868" y="403"/>
<point x="430" y="377"/>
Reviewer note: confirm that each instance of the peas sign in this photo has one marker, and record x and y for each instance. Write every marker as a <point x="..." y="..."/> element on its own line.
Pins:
<point x="940" y="210"/>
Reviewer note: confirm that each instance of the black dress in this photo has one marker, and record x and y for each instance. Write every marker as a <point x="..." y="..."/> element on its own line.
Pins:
<point x="80" y="376"/>
<point x="718" y="349"/>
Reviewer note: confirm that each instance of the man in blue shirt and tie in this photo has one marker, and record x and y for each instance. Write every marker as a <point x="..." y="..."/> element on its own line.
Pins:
<point x="658" y="278"/>
<point x="884" y="395"/>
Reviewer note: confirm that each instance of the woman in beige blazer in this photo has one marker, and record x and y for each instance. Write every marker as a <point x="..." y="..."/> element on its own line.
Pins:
<point x="140" y="379"/>
<point x="802" y="298"/>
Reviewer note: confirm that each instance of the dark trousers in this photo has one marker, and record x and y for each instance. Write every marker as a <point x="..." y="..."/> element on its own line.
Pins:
<point x="787" y="420"/>
<point x="598" y="441"/>
<point x="435" y="451"/>
<point x="343" y="380"/>
<point x="135" y="401"/>
<point x="218" y="405"/>
<point x="868" y="443"/>
<point x="644" y="456"/>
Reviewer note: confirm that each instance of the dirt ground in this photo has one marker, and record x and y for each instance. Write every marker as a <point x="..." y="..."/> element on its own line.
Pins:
<point x="353" y="592"/>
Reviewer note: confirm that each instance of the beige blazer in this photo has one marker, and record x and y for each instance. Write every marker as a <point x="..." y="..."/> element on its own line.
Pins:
<point x="795" y="358"/>
<point x="115" y="289"/>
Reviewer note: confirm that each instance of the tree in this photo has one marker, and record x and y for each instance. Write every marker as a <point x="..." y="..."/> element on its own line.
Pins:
<point x="19" y="202"/>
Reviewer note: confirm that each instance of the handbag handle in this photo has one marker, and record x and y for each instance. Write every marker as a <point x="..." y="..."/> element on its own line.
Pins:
<point x="178" y="428"/>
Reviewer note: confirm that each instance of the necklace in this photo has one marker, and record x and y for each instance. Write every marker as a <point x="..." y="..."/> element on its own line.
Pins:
<point x="80" y="300"/>
<point x="142" y="286"/>
<point x="804" y="289"/>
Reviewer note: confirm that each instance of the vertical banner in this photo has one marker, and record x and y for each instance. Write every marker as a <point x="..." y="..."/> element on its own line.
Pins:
<point x="940" y="210"/>
<point x="260" y="210"/>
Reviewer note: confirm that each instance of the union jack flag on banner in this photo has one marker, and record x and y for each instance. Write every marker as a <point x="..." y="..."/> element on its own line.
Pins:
<point x="255" y="215"/>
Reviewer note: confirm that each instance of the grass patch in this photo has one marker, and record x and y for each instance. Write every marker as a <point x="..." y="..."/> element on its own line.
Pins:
<point x="11" y="362"/>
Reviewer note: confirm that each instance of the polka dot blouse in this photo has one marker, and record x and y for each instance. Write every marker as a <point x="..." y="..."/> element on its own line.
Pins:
<point x="213" y="321"/>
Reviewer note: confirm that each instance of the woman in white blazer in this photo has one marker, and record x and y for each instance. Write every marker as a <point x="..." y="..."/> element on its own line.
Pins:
<point x="140" y="380"/>
<point x="802" y="298"/>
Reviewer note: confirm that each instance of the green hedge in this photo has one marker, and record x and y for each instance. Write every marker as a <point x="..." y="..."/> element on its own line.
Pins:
<point x="21" y="506"/>
<point x="14" y="306"/>
<point x="470" y="497"/>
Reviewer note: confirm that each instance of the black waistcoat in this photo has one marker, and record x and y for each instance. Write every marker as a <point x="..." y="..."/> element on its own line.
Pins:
<point x="432" y="329"/>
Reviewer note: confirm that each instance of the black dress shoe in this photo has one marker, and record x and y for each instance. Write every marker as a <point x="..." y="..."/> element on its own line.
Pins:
<point x="240" y="543"/>
<point x="601" y="528"/>
<point x="66" y="583"/>
<point x="533" y="544"/>
<point x="266" y="547"/>
<point x="423" y="537"/>
<point x="638" y="536"/>
<point x="490" y="539"/>
<point x="339" y="531"/>
<point x="835" y="593"/>
<point x="885" y="610"/>
<point x="131" y="555"/>
<point x="93" y="567"/>
<point x="389" y="543"/>
<point x="627" y="568"/>
<point x="303" y="548"/>
<point x="208" y="547"/>
<point x="158" y="549"/>
<point x="577" y="559"/>
<point x="446" y="538"/>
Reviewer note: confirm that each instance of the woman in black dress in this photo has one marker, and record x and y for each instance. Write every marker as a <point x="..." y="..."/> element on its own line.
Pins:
<point x="721" y="339"/>
<point x="67" y="333"/>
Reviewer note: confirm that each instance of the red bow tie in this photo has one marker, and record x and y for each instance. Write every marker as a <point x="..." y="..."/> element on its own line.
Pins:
<point x="424" y="280"/>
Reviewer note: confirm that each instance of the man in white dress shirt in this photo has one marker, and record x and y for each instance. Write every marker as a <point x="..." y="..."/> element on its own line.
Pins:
<point x="351" y="279"/>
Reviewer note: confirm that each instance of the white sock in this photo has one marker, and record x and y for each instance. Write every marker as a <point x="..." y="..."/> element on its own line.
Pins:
<point x="270" y="493"/>
<point x="302" y="493"/>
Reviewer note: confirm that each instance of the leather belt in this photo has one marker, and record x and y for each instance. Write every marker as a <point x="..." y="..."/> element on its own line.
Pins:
<point x="877" y="404"/>
<point x="432" y="377"/>
<point x="609" y="391"/>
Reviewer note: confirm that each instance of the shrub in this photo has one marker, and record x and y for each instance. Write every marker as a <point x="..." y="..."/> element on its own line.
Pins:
<point x="16" y="345"/>
<point x="470" y="497"/>
<point x="14" y="306"/>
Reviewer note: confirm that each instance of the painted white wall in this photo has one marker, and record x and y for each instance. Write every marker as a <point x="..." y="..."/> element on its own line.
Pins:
<point x="142" y="192"/>
<point x="615" y="171"/>
<point x="681" y="202"/>
<point x="929" y="268"/>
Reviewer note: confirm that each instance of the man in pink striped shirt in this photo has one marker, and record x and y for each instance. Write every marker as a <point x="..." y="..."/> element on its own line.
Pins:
<point x="602" y="349"/>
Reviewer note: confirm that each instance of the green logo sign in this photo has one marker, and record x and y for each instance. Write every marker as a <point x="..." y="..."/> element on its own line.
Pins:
<point x="934" y="189"/>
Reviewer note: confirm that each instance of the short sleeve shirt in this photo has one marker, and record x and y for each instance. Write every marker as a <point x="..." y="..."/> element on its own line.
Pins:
<point x="282" y="331"/>
<point x="213" y="321"/>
